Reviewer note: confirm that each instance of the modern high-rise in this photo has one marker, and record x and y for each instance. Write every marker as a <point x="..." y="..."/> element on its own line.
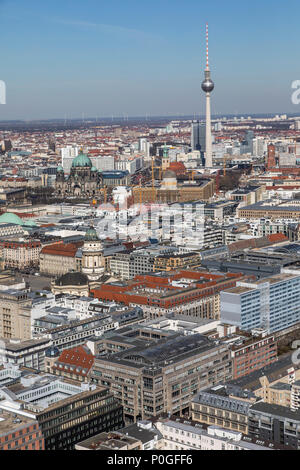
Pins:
<point x="247" y="145"/>
<point x="198" y="137"/>
<point x="271" y="303"/>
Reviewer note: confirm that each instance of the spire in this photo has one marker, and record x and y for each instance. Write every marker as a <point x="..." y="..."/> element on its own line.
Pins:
<point x="207" y="85"/>
<point x="207" y="64"/>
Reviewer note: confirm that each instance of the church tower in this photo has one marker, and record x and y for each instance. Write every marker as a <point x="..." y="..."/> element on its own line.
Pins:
<point x="165" y="159"/>
<point x="92" y="256"/>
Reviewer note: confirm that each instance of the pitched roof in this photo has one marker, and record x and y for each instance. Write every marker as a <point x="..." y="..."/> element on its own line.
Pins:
<point x="62" y="249"/>
<point x="78" y="360"/>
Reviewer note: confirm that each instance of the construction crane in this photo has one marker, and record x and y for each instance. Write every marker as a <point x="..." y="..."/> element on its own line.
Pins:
<point x="140" y="192"/>
<point x="153" y="180"/>
<point x="192" y="173"/>
<point x="139" y="188"/>
<point x="224" y="163"/>
<point x="218" y="182"/>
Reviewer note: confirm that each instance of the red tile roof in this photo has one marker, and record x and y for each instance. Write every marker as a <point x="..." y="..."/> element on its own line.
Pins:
<point x="62" y="249"/>
<point x="277" y="237"/>
<point x="79" y="358"/>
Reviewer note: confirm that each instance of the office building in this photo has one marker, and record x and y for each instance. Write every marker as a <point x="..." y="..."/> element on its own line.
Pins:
<point x="188" y="293"/>
<point x="66" y="413"/>
<point x="271" y="303"/>
<point x="151" y="379"/>
<point x="198" y="137"/>
<point x="15" y="314"/>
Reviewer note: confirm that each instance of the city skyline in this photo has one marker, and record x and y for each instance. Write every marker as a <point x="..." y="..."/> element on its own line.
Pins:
<point x="102" y="60"/>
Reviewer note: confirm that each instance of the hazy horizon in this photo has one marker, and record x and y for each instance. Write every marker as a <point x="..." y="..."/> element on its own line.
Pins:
<point x="63" y="60"/>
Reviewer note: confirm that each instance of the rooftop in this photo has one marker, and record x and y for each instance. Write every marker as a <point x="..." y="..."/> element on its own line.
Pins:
<point x="11" y="422"/>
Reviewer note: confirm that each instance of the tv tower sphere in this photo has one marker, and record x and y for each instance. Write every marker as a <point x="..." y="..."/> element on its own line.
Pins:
<point x="207" y="84"/>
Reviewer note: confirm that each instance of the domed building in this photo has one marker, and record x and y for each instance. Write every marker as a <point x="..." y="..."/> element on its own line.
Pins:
<point x="11" y="218"/>
<point x="83" y="181"/>
<point x="73" y="283"/>
<point x="92" y="256"/>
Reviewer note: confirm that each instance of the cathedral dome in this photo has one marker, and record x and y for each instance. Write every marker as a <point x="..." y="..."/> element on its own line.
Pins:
<point x="60" y="168"/>
<point x="82" y="160"/>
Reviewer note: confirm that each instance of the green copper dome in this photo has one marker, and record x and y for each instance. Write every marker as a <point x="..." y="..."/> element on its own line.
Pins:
<point x="81" y="160"/>
<point x="30" y="223"/>
<point x="91" y="235"/>
<point x="11" y="218"/>
<point x="94" y="168"/>
<point x="60" y="168"/>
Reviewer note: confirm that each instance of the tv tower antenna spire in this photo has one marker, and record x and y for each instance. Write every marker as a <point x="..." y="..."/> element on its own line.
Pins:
<point x="207" y="64"/>
<point x="207" y="87"/>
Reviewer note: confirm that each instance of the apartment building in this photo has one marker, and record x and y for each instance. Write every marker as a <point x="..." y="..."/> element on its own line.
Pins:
<point x="176" y="261"/>
<point x="248" y="195"/>
<point x="10" y="229"/>
<point x="276" y="423"/>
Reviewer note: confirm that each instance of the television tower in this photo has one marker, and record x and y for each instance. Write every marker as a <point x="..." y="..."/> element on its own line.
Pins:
<point x="207" y="87"/>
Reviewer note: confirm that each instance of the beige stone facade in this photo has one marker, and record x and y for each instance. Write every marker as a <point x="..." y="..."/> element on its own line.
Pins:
<point x="15" y="315"/>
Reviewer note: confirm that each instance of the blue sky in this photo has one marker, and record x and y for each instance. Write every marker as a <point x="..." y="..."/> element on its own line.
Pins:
<point x="102" y="58"/>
